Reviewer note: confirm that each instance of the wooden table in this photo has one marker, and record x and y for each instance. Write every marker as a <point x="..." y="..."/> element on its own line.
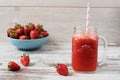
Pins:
<point x="44" y="60"/>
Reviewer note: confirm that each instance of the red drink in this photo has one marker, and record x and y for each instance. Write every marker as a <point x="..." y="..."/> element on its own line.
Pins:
<point x="84" y="51"/>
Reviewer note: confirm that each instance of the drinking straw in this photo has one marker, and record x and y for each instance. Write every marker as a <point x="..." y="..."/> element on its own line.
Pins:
<point x="88" y="16"/>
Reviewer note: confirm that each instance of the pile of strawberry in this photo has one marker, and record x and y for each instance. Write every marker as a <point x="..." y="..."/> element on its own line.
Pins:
<point x="29" y="31"/>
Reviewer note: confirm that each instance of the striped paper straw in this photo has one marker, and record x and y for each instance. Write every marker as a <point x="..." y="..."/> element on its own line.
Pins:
<point x="88" y="16"/>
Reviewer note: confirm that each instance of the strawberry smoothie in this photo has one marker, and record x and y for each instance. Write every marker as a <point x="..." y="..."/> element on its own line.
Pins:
<point x="84" y="51"/>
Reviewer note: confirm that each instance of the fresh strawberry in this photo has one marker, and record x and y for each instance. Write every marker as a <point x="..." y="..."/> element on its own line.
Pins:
<point x="40" y="36"/>
<point x="9" y="30"/>
<point x="12" y="66"/>
<point x="27" y="30"/>
<point x="13" y="34"/>
<point x="31" y="26"/>
<point x="31" y="31"/>
<point x="19" y="31"/>
<point x="39" y="28"/>
<point x="17" y="26"/>
<point x="33" y="34"/>
<point x="23" y="37"/>
<point x="62" y="69"/>
<point x="44" y="33"/>
<point x="25" y="60"/>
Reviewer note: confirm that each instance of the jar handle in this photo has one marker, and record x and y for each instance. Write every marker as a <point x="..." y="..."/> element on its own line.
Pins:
<point x="105" y="49"/>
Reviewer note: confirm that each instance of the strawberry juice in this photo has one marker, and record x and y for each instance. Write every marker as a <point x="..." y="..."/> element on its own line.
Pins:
<point x="84" y="51"/>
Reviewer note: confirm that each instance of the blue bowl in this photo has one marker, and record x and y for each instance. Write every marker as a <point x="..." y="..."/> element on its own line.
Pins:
<point x="27" y="44"/>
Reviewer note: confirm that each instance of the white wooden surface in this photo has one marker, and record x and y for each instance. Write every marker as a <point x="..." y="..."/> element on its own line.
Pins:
<point x="44" y="60"/>
<point x="60" y="16"/>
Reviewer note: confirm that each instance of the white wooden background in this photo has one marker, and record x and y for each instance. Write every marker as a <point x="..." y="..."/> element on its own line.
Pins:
<point x="60" y="16"/>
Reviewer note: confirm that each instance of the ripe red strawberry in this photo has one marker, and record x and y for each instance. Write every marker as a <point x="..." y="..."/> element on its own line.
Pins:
<point x="19" y="31"/>
<point x="12" y="66"/>
<point x="33" y="34"/>
<point x="31" y="26"/>
<point x="13" y="34"/>
<point x="23" y="37"/>
<point x="9" y="30"/>
<point x="25" y="60"/>
<point x="17" y="26"/>
<point x="44" y="33"/>
<point x="27" y="30"/>
<point x="39" y="28"/>
<point x="62" y="69"/>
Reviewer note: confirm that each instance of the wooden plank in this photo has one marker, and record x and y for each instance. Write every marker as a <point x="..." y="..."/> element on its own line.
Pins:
<point x="60" y="21"/>
<point x="60" y="3"/>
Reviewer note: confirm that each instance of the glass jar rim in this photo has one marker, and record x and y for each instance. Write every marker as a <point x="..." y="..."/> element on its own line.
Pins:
<point x="83" y="29"/>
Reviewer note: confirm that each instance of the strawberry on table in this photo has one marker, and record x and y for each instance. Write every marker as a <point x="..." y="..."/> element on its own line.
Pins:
<point x="62" y="69"/>
<point x="12" y="66"/>
<point x="25" y="60"/>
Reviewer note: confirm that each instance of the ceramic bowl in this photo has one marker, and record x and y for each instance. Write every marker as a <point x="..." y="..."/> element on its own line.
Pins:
<point x="29" y="44"/>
